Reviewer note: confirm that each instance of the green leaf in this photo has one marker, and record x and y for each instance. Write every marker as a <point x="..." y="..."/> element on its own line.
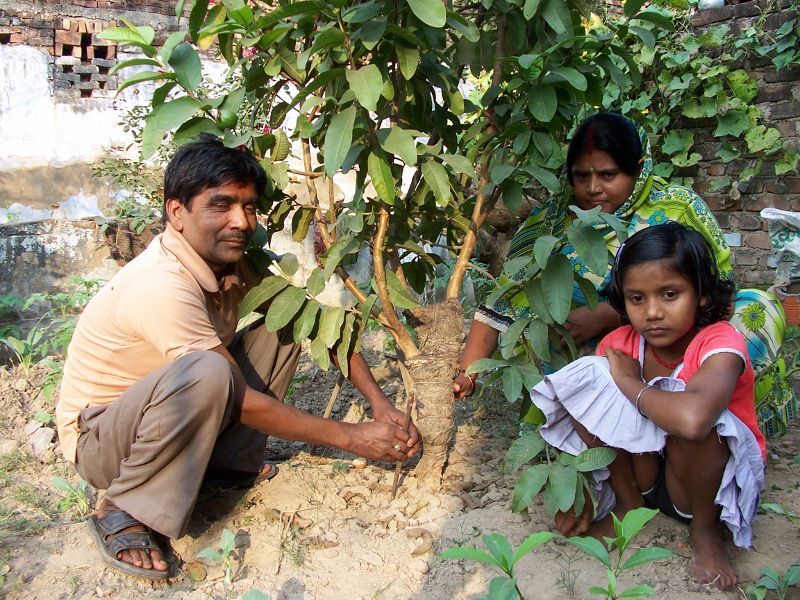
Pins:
<point x="562" y="482"/>
<point x="529" y="9"/>
<point x="537" y="301"/>
<point x="135" y="62"/>
<point x="635" y="519"/>
<point x="557" y="287"/>
<point x="408" y="59"/>
<point x="175" y="112"/>
<point x="637" y="591"/>
<point x="572" y="76"/>
<point x="459" y="164"/>
<point x="380" y="173"/>
<point x="536" y="334"/>
<point x="543" y="248"/>
<point x="186" y="63"/>
<point x="285" y="306"/>
<point x="592" y="547"/>
<point x="301" y="221"/>
<point x="528" y="486"/>
<point x="647" y="37"/>
<point x="733" y="123"/>
<point x="265" y="290"/>
<point x="287" y="11"/>
<point x="338" y="139"/>
<point x="332" y="36"/>
<point x="590" y="296"/>
<point x="760" y="138"/>
<point x="227" y="541"/>
<point x="211" y="554"/>
<point x="543" y="103"/>
<point x="239" y="12"/>
<point x="485" y="364"/>
<point x="591" y="247"/>
<point x="398" y="293"/>
<point x="372" y="32"/>
<point x="499" y="547"/>
<point x="646" y="555"/>
<point x="152" y="135"/>
<point x="499" y="173"/>
<point x="343" y="348"/>
<point x="366" y="84"/>
<point x="399" y="142"/>
<point x="531" y="542"/>
<point x="787" y="162"/>
<point x="330" y="325"/>
<point x="512" y="383"/>
<point x="196" y="17"/>
<point x="510" y="337"/>
<point x="366" y="308"/>
<point x="503" y="587"/>
<point x="468" y="553"/>
<point x="137" y="36"/>
<point x="543" y="176"/>
<point x="316" y="282"/>
<point x="320" y="353"/>
<point x="436" y="177"/>
<point x="254" y="594"/>
<point x="593" y="459"/>
<point x="170" y="44"/>
<point x="632" y="7"/>
<point x="335" y="254"/>
<point x="743" y="86"/>
<point x="652" y="15"/>
<point x="143" y="76"/>
<point x="556" y="15"/>
<point x="304" y="324"/>
<point x="430" y="12"/>
<point x="523" y="449"/>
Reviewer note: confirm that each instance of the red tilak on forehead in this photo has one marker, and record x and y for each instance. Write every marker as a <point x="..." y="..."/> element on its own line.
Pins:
<point x="590" y="140"/>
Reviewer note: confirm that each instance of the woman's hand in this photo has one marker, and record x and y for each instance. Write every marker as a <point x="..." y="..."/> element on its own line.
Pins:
<point x="585" y="325"/>
<point x="481" y="343"/>
<point x="463" y="386"/>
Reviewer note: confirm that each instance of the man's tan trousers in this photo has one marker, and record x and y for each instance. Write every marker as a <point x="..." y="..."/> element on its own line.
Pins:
<point x="150" y="448"/>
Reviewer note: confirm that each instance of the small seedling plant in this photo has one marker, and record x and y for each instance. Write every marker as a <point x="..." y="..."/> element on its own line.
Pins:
<point x="624" y="531"/>
<point x="559" y="476"/>
<point x="502" y="556"/>
<point x="223" y="556"/>
<point x="772" y="580"/>
<point x="75" y="497"/>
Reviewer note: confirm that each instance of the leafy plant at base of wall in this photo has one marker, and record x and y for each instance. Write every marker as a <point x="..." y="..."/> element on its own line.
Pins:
<point x="625" y="530"/>
<point x="223" y="556"/>
<point x="690" y="78"/>
<point x="560" y="477"/>
<point x="75" y="497"/>
<point x="10" y="307"/>
<point x="27" y="351"/>
<point x="502" y="556"/>
<point x="772" y="580"/>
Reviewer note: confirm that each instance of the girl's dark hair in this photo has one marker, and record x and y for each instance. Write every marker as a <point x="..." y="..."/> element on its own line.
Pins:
<point x="206" y="163"/>
<point x="612" y="133"/>
<point x="686" y="251"/>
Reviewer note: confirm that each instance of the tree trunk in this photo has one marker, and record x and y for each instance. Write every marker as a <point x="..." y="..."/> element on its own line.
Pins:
<point x="440" y="330"/>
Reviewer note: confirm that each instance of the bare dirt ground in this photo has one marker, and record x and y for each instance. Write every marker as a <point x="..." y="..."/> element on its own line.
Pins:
<point x="326" y="529"/>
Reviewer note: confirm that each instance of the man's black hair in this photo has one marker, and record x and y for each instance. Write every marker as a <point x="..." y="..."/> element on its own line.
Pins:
<point x="684" y="250"/>
<point x="612" y="133"/>
<point x="206" y="163"/>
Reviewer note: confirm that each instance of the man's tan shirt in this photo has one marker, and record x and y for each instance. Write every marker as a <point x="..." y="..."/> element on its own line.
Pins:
<point x="165" y="303"/>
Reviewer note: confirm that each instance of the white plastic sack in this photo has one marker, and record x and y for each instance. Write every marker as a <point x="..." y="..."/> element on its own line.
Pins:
<point x="784" y="232"/>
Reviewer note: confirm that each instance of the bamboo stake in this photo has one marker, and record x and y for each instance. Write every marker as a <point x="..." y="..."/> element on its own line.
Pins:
<point x="411" y="400"/>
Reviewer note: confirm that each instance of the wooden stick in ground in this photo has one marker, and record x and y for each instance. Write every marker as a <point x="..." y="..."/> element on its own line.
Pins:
<point x="334" y="395"/>
<point x="412" y="398"/>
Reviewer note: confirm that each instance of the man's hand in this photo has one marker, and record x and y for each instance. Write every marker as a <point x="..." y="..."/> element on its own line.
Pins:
<point x="623" y="367"/>
<point x="381" y="441"/>
<point x="391" y="415"/>
<point x="585" y="325"/>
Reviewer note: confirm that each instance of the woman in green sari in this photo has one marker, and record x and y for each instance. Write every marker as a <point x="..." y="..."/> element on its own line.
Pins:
<point x="609" y="164"/>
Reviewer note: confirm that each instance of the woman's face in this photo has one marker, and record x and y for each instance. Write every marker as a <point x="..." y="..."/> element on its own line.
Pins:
<point x="598" y="181"/>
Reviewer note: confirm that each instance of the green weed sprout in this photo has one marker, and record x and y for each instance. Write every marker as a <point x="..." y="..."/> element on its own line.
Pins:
<point x="773" y="507"/>
<point x="502" y="556"/>
<point x="772" y="580"/>
<point x="75" y="497"/>
<point x="625" y="531"/>
<point x="29" y="349"/>
<point x="254" y="594"/>
<point x="224" y="556"/>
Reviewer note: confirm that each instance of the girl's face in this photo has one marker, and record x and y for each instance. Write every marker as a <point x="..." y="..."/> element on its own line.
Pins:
<point x="661" y="304"/>
<point x="598" y="181"/>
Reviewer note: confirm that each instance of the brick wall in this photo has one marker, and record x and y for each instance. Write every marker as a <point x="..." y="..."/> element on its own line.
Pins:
<point x="779" y="101"/>
<point x="163" y="7"/>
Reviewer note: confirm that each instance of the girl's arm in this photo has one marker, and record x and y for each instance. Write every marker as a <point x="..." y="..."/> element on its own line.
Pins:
<point x="690" y="414"/>
<point x="481" y="343"/>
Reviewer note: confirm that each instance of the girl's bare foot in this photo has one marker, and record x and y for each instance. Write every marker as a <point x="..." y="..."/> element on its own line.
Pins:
<point x="711" y="564"/>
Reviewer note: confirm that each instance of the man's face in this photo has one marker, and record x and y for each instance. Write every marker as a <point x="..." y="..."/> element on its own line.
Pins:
<point x="218" y="223"/>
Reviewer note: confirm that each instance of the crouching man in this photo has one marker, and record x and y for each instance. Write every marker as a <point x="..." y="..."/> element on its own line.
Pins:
<point x="160" y="390"/>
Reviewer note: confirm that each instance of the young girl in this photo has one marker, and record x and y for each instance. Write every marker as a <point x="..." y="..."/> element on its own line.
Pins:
<point x="673" y="396"/>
